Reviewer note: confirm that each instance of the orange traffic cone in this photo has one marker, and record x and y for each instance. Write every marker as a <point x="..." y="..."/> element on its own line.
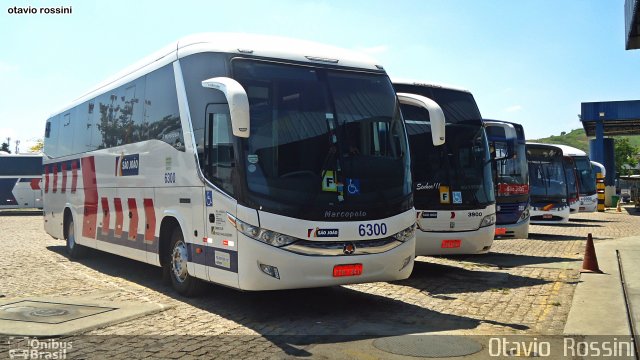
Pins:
<point x="590" y="262"/>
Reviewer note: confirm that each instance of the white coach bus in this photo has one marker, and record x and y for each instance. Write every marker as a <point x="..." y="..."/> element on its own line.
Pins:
<point x="453" y="187"/>
<point x="254" y="162"/>
<point x="586" y="175"/>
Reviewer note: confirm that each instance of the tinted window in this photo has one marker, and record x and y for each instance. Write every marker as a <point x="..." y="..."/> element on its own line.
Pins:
<point x="20" y="165"/>
<point x="143" y="109"/>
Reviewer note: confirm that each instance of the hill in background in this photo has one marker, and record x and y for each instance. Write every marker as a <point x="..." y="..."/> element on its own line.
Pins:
<point x="578" y="139"/>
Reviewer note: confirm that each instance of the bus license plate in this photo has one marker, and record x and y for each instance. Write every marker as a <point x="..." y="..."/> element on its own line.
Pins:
<point x="451" y="244"/>
<point x="547" y="216"/>
<point x="501" y="231"/>
<point x="347" y="270"/>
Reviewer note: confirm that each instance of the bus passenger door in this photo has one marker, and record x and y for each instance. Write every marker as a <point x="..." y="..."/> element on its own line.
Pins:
<point x="218" y="164"/>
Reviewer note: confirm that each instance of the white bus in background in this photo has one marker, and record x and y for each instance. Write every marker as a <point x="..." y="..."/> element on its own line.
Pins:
<point x="598" y="168"/>
<point x="453" y="188"/>
<point x="254" y="162"/>
<point x="20" y="180"/>
<point x="548" y="189"/>
<point x="586" y="178"/>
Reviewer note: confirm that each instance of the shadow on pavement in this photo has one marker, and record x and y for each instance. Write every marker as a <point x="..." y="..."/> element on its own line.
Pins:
<point x="295" y="319"/>
<point x="589" y="221"/>
<point x="555" y="237"/>
<point x="443" y="279"/>
<point x="582" y="225"/>
<point x="503" y="260"/>
<point x="632" y="210"/>
<point x="30" y="212"/>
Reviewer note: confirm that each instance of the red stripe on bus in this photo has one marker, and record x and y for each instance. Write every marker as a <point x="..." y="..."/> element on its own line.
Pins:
<point x="35" y="184"/>
<point x="117" y="204"/>
<point x="133" y="218"/>
<point x="46" y="178"/>
<point x="74" y="175"/>
<point x="55" y="178"/>
<point x="106" y="216"/>
<point x="150" y="216"/>
<point x="64" y="178"/>
<point x="90" y="197"/>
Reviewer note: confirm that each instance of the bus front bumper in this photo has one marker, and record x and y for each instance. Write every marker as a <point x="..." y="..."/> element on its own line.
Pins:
<point x="453" y="243"/>
<point x="307" y="271"/>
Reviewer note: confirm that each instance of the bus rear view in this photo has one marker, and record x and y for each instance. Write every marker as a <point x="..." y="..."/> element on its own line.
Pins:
<point x="453" y="190"/>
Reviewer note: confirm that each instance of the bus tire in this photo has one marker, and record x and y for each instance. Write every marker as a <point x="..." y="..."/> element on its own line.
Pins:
<point x="175" y="266"/>
<point x="74" y="250"/>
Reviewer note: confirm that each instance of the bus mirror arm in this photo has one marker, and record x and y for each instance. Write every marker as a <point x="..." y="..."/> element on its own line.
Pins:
<point x="238" y="103"/>
<point x="436" y="115"/>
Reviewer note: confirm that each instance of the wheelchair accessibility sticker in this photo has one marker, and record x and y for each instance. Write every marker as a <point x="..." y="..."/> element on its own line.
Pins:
<point x="353" y="186"/>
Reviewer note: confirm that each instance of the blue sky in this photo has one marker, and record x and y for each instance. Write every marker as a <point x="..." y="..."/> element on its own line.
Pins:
<point x="527" y="61"/>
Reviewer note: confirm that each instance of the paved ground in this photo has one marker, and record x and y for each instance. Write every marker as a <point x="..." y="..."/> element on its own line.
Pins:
<point x="521" y="287"/>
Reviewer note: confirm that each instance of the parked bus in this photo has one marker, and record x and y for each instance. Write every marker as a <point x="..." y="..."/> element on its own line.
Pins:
<point x="573" y="187"/>
<point x="453" y="190"/>
<point x="547" y="184"/>
<point x="254" y="162"/>
<point x="511" y="178"/>
<point x="586" y="176"/>
<point x="20" y="178"/>
<point x="598" y="168"/>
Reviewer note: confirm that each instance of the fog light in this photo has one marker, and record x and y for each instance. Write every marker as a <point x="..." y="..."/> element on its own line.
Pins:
<point x="270" y="270"/>
<point x="406" y="262"/>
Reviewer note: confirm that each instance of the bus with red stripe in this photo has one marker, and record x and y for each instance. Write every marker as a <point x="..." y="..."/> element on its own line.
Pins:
<point x="511" y="178"/>
<point x="20" y="181"/>
<point x="254" y="162"/>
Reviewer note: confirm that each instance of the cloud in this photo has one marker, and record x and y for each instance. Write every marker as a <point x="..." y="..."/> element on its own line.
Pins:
<point x="513" y="108"/>
<point x="375" y="50"/>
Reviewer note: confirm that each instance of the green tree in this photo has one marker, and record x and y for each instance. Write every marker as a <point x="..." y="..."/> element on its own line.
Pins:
<point x="5" y="147"/>
<point x="625" y="154"/>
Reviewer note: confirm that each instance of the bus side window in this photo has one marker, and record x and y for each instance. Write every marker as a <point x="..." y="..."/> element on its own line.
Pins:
<point x="219" y="155"/>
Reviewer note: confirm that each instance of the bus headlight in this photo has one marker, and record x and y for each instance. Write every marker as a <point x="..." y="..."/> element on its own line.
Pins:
<point x="488" y="220"/>
<point x="406" y="234"/>
<point x="266" y="236"/>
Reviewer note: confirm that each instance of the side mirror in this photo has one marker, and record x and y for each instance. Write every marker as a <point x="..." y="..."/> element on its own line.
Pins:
<point x="436" y="116"/>
<point x="238" y="103"/>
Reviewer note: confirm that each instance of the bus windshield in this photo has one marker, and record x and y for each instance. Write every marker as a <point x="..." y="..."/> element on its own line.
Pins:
<point x="586" y="175"/>
<point x="461" y="165"/>
<point x="323" y="141"/>
<point x="511" y="167"/>
<point x="546" y="174"/>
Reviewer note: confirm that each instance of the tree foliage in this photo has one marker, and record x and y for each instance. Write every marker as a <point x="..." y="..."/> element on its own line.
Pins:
<point x="625" y="154"/>
<point x="5" y="147"/>
<point x="37" y="148"/>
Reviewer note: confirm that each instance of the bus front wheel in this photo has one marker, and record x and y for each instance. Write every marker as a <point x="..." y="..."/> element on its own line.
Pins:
<point x="176" y="266"/>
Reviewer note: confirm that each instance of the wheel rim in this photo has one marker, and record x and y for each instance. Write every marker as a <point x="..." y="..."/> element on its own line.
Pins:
<point x="71" y="237"/>
<point x="179" y="261"/>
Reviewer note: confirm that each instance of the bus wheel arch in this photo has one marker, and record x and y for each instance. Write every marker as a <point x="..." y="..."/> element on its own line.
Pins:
<point x="72" y="248"/>
<point x="171" y="242"/>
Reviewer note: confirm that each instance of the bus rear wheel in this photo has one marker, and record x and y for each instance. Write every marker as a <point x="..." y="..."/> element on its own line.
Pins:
<point x="73" y="249"/>
<point x="175" y="267"/>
